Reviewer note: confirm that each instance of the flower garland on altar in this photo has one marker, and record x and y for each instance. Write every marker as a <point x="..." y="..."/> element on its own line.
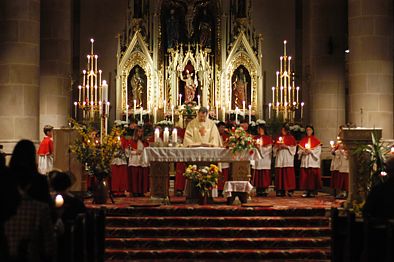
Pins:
<point x="206" y="178"/>
<point x="241" y="141"/>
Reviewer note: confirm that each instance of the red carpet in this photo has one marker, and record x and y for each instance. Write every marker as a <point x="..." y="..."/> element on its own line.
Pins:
<point x="270" y="228"/>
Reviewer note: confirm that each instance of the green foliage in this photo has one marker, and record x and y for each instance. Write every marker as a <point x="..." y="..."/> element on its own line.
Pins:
<point x="240" y="141"/>
<point x="96" y="155"/>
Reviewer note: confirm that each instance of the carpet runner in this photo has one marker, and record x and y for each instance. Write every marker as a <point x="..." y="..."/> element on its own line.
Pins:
<point x="292" y="229"/>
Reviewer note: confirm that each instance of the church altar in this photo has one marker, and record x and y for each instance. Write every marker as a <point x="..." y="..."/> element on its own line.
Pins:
<point x="159" y="158"/>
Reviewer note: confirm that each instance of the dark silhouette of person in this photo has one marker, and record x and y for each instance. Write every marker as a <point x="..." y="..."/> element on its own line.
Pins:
<point x="380" y="200"/>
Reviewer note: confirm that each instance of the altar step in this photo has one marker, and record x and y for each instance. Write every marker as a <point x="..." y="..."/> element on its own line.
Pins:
<point x="217" y="232"/>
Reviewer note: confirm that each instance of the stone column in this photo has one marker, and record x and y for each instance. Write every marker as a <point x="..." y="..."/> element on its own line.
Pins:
<point x="326" y="67"/>
<point x="19" y="67"/>
<point x="55" y="77"/>
<point x="371" y="64"/>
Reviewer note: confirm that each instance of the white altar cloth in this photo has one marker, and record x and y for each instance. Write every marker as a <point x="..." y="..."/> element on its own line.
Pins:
<point x="195" y="154"/>
<point x="236" y="186"/>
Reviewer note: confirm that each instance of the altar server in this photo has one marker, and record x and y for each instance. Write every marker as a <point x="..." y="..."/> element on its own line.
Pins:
<point x="45" y="151"/>
<point x="180" y="167"/>
<point x="309" y="153"/>
<point x="119" y="171"/>
<point x="342" y="180"/>
<point x="225" y="167"/>
<point x="138" y="171"/>
<point x="284" y="151"/>
<point x="261" y="170"/>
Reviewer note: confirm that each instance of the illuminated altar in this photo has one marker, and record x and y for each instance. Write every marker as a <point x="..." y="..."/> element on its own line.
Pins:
<point x="174" y="53"/>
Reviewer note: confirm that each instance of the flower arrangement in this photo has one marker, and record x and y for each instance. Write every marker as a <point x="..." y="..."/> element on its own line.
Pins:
<point x="94" y="152"/>
<point x="240" y="141"/>
<point x="205" y="177"/>
<point x="164" y="123"/>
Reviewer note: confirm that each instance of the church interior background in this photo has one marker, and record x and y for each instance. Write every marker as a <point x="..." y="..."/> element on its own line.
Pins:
<point x="219" y="54"/>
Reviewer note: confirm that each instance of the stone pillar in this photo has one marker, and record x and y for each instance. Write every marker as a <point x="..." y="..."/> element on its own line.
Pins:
<point x="325" y="60"/>
<point x="19" y="67"/>
<point x="371" y="64"/>
<point x="55" y="77"/>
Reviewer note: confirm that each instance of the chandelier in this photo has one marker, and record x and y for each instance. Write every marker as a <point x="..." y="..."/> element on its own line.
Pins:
<point x="285" y="94"/>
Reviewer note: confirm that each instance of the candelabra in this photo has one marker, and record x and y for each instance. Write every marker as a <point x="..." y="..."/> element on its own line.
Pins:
<point x="285" y="95"/>
<point x="93" y="93"/>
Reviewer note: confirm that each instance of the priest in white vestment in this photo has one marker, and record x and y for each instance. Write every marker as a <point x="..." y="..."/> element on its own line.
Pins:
<point x="202" y="131"/>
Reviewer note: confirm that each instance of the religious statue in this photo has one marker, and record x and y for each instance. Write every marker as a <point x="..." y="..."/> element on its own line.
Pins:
<point x="190" y="87"/>
<point x="205" y="30"/>
<point x="172" y="30"/>
<point x="239" y="88"/>
<point x="137" y="87"/>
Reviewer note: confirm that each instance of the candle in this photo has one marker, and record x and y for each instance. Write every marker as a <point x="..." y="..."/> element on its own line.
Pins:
<point x="298" y="89"/>
<point x="100" y="108"/>
<point x="281" y="95"/>
<point x="172" y="114"/>
<point x="95" y="95"/>
<point x="307" y="146"/>
<point x="280" y="139"/>
<point x="79" y="93"/>
<point x="281" y="59"/>
<point x="75" y="110"/>
<point x="105" y="91"/>
<point x="273" y="95"/>
<point x="83" y="110"/>
<point x="155" y="115"/>
<point x="236" y="115"/>
<point x="135" y="107"/>
<point x="165" y="106"/>
<point x="277" y="78"/>
<point x="100" y="76"/>
<point x="392" y="150"/>
<point x="91" y="48"/>
<point x="284" y="47"/>
<point x="107" y="109"/>
<point x="198" y="100"/>
<point x="302" y="109"/>
<point x="174" y="136"/>
<point x="332" y="143"/>
<point x="127" y="113"/>
<point x="166" y="135"/>
<point x="269" y="110"/>
<point x="250" y="113"/>
<point x="59" y="201"/>
<point x="157" y="135"/>
<point x="288" y="68"/>
<point x="84" y="75"/>
<point x="141" y="111"/>
<point x="243" y="108"/>
<point x="180" y="99"/>
<point x="87" y="93"/>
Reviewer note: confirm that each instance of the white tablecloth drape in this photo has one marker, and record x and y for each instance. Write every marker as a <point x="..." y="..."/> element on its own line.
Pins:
<point x="236" y="186"/>
<point x="196" y="154"/>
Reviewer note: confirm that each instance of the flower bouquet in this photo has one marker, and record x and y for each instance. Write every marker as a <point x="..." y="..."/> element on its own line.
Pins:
<point x="240" y="141"/>
<point x="206" y="177"/>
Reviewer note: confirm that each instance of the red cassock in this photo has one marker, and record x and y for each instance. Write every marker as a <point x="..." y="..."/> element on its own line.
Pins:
<point x="284" y="164"/>
<point x="119" y="170"/>
<point x="138" y="174"/>
<point x="261" y="173"/>
<point x="46" y="147"/>
<point x="225" y="166"/>
<point x="180" y="167"/>
<point x="310" y="176"/>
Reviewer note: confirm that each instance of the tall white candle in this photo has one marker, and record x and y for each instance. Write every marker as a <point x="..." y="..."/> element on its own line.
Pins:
<point x="105" y="91"/>
<point x="273" y="94"/>
<point x="250" y="114"/>
<point x="100" y="108"/>
<point x="79" y="93"/>
<point x="284" y="47"/>
<point x="243" y="108"/>
<point x="165" y="106"/>
<point x="298" y="89"/>
<point x="224" y="114"/>
<point x="302" y="110"/>
<point x="95" y="95"/>
<point x="172" y="114"/>
<point x="134" y="107"/>
<point x="157" y="135"/>
<point x="288" y="68"/>
<point x="281" y="59"/>
<point x="236" y="115"/>
<point x="141" y="111"/>
<point x="277" y="78"/>
<point x="281" y="95"/>
<point x="83" y="110"/>
<point x="87" y="93"/>
<point x="127" y="113"/>
<point x="269" y="110"/>
<point x="59" y="201"/>
<point x="100" y="77"/>
<point x="166" y="135"/>
<point x="180" y="99"/>
<point x="155" y="115"/>
<point x="84" y="76"/>
<point x="198" y="100"/>
<point x="174" y="136"/>
<point x="75" y="110"/>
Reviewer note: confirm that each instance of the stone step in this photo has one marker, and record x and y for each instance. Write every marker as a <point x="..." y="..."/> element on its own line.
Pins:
<point x="208" y="221"/>
<point x="239" y="254"/>
<point x="240" y="232"/>
<point x="215" y="211"/>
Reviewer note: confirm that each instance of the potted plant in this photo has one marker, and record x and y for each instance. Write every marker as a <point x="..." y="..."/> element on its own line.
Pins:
<point x="96" y="154"/>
